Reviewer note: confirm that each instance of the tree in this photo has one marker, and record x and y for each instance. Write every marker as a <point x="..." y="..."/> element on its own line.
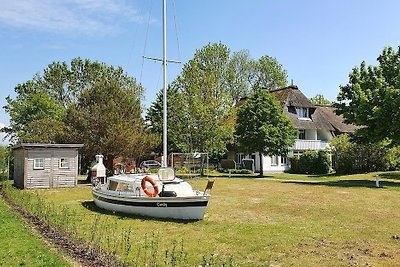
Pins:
<point x="240" y="70"/>
<point x="154" y="118"/>
<point x="33" y="103"/>
<point x="244" y="74"/>
<point x="84" y="102"/>
<point x="4" y="154"/>
<point x="268" y="74"/>
<point x="45" y="130"/>
<point x="262" y="126"/>
<point x="320" y="100"/>
<point x="204" y="105"/>
<point x="107" y="119"/>
<point x="371" y="99"/>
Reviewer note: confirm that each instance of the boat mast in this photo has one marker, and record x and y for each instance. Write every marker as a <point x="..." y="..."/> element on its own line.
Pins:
<point x="164" y="63"/>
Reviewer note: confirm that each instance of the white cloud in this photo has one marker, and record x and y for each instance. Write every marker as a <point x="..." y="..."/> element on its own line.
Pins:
<point x="78" y="16"/>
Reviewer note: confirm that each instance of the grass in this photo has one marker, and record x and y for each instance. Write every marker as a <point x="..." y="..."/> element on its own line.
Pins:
<point x="279" y="220"/>
<point x="19" y="247"/>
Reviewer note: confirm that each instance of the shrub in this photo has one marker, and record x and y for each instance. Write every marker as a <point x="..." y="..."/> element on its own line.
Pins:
<point x="236" y="171"/>
<point x="352" y="157"/>
<point x="342" y="154"/>
<point x="312" y="162"/>
<point x="393" y="159"/>
<point x="323" y="162"/>
<point x="228" y="164"/>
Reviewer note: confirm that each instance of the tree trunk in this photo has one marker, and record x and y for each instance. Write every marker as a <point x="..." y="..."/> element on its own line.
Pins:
<point x="261" y="165"/>
<point x="109" y="164"/>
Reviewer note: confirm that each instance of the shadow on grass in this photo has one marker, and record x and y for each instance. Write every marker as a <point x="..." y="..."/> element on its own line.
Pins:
<point x="84" y="182"/>
<point x="390" y="175"/>
<point x="89" y="205"/>
<point x="348" y="183"/>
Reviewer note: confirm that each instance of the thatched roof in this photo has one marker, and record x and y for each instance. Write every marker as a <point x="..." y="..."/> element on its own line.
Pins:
<point x="322" y="117"/>
<point x="317" y="121"/>
<point x="337" y="121"/>
<point x="292" y="96"/>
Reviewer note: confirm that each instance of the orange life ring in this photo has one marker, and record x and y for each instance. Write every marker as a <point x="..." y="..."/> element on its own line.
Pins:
<point x="144" y="187"/>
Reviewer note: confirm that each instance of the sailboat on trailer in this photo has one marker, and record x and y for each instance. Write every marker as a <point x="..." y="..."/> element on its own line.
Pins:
<point x="161" y="195"/>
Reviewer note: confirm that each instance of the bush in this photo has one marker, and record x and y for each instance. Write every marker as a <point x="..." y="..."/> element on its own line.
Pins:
<point x="349" y="157"/>
<point x="228" y="164"/>
<point x="323" y="162"/>
<point x="393" y="159"/>
<point x="312" y="162"/>
<point x="236" y="171"/>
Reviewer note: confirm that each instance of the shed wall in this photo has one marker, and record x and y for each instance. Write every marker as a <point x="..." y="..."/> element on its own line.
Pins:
<point x="52" y="175"/>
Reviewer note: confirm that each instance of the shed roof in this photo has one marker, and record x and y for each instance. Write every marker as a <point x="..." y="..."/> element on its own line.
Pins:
<point x="35" y="145"/>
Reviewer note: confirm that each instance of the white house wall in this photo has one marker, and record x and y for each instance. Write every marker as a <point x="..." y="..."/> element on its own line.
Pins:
<point x="267" y="164"/>
<point x="311" y="134"/>
<point x="324" y="135"/>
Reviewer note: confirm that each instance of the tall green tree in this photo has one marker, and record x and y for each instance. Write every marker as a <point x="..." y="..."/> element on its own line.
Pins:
<point x="201" y="99"/>
<point x="46" y="97"/>
<point x="33" y="103"/>
<point x="245" y="74"/>
<point x="371" y="98"/>
<point x="268" y="74"/>
<point x="240" y="70"/>
<point x="86" y="102"/>
<point x="205" y="104"/>
<point x="154" y="118"/>
<point x="320" y="100"/>
<point x="107" y="119"/>
<point x="262" y="127"/>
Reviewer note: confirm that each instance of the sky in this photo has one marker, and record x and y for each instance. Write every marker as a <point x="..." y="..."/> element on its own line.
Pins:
<point x="317" y="42"/>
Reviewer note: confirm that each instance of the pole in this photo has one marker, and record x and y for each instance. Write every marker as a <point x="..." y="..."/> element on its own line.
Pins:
<point x="164" y="62"/>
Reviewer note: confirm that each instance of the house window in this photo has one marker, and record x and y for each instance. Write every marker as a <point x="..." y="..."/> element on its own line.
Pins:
<point x="38" y="164"/>
<point x="302" y="112"/>
<point x="297" y="154"/>
<point x="284" y="160"/>
<point x="274" y="160"/>
<point x="302" y="134"/>
<point x="64" y="164"/>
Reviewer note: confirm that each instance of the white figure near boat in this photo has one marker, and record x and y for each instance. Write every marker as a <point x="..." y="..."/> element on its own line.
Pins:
<point x="161" y="195"/>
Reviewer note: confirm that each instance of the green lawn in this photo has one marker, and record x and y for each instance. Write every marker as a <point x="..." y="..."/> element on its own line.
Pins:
<point x="19" y="247"/>
<point x="279" y="220"/>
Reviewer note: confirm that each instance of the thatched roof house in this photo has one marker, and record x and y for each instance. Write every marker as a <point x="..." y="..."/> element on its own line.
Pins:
<point x="316" y="125"/>
<point x="318" y="117"/>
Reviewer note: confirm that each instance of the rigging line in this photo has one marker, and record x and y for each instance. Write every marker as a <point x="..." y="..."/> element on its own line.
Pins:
<point x="145" y="40"/>
<point x="176" y="31"/>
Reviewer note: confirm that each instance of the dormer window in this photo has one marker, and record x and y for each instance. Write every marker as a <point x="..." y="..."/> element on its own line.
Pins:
<point x="302" y="113"/>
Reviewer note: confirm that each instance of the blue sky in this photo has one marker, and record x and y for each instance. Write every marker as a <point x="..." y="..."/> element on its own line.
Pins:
<point x="317" y="42"/>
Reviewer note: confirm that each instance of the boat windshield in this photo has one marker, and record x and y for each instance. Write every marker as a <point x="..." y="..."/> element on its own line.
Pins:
<point x="166" y="174"/>
<point x="119" y="186"/>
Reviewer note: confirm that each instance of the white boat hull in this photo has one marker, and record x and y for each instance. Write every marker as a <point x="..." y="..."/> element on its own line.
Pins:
<point x="182" y="208"/>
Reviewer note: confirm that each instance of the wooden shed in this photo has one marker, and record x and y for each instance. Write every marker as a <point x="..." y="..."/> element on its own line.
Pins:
<point x="46" y="165"/>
